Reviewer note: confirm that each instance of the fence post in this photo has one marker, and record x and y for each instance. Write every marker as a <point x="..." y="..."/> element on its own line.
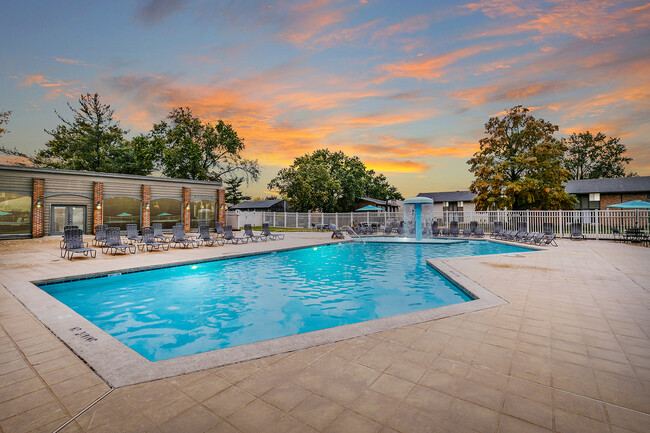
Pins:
<point x="308" y="219"/>
<point x="351" y="219"/>
<point x="561" y="223"/>
<point x="527" y="219"/>
<point x="336" y="220"/>
<point x="274" y="219"/>
<point x="285" y="220"/>
<point x="597" y="224"/>
<point x="322" y="218"/>
<point x="297" y="220"/>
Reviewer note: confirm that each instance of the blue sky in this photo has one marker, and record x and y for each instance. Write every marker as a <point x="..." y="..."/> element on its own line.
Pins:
<point x="407" y="86"/>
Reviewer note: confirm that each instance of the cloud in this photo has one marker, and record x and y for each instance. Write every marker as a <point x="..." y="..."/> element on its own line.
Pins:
<point x="152" y="12"/>
<point x="69" y="61"/>
<point x="55" y="88"/>
<point x="510" y="91"/>
<point x="499" y="8"/>
<point x="432" y="67"/>
<point x="409" y="25"/>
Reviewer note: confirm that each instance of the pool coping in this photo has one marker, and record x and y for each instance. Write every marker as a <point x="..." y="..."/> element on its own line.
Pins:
<point x="119" y="366"/>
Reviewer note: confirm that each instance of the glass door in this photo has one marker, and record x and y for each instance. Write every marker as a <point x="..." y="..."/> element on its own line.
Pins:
<point x="66" y="215"/>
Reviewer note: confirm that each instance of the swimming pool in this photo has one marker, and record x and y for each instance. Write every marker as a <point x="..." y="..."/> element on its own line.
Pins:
<point x="182" y="310"/>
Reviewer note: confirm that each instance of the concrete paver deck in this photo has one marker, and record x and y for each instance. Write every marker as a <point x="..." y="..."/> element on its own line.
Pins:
<point x="569" y="353"/>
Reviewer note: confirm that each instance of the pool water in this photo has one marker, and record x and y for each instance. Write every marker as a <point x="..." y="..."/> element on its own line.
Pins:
<point x="182" y="310"/>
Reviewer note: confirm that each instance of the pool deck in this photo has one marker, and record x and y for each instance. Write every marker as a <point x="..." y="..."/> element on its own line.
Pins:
<point x="569" y="352"/>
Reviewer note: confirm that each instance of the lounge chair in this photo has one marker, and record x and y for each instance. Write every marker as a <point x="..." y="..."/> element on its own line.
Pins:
<point x="467" y="233"/>
<point x="180" y="238"/>
<point x="547" y="228"/>
<point x="435" y="231"/>
<point x="529" y="237"/>
<point x="473" y="225"/>
<point x="100" y="234"/>
<point x="273" y="236"/>
<point x="132" y="233"/>
<point x="537" y="240"/>
<point x="150" y="242"/>
<point x="204" y="236"/>
<point x="114" y="242"/>
<point x="230" y="237"/>
<point x="522" y="227"/>
<point x="550" y="240"/>
<point x="388" y="230"/>
<point x="74" y="243"/>
<point x="337" y="234"/>
<point x="248" y="232"/>
<point x="453" y="224"/>
<point x="445" y="231"/>
<point x="576" y="231"/>
<point x="479" y="233"/>
<point x="519" y="236"/>
<point x="498" y="228"/>
<point x="454" y="232"/>
<point x="158" y="233"/>
<point x="62" y="241"/>
<point x="218" y="229"/>
<point x="351" y="231"/>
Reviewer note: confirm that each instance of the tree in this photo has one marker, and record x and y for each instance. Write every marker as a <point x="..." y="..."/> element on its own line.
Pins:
<point x="329" y="182"/>
<point x="92" y="141"/>
<point x="4" y="119"/>
<point x="594" y="157"/>
<point x="192" y="149"/>
<point x="519" y="165"/>
<point x="233" y="195"/>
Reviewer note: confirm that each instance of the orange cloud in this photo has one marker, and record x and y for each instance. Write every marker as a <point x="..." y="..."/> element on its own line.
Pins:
<point x="432" y="67"/>
<point x="409" y="25"/>
<point x="396" y="166"/>
<point x="496" y="8"/>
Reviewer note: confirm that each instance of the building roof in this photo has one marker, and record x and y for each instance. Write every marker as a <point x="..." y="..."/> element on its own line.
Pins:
<point x="105" y="175"/>
<point x="376" y="201"/>
<point x="256" y="204"/>
<point x="449" y="196"/>
<point x="609" y="185"/>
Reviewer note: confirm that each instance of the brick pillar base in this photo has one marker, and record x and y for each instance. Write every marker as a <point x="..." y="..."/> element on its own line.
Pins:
<point x="187" y="196"/>
<point x="146" y="205"/>
<point x="38" y="204"/>
<point x="221" y="206"/>
<point x="98" y="197"/>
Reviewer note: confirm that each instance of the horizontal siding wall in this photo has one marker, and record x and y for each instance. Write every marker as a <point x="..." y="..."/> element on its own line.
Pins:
<point x="204" y="191"/>
<point x="16" y="182"/>
<point x="122" y="188"/>
<point x="171" y="190"/>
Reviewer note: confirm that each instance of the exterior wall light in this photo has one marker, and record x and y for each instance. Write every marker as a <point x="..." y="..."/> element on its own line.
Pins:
<point x="187" y="206"/>
<point x="39" y="204"/>
<point x="147" y="206"/>
<point x="99" y="205"/>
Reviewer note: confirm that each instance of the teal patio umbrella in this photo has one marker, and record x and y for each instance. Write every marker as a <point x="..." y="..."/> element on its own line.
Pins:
<point x="368" y="208"/>
<point x="634" y="204"/>
<point x="2" y="213"/>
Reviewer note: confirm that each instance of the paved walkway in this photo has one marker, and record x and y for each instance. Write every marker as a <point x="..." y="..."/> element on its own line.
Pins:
<point x="569" y="353"/>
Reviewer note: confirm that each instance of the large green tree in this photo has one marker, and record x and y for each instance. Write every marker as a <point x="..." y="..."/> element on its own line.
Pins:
<point x="591" y="156"/>
<point x="192" y="149"/>
<point x="93" y="140"/>
<point x="233" y="194"/>
<point x="519" y="164"/>
<point x="330" y="182"/>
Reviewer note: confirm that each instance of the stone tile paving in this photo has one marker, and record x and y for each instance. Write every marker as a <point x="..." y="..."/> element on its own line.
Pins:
<point x="569" y="353"/>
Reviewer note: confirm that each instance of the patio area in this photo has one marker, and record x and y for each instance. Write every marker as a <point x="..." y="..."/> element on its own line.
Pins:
<point x="570" y="352"/>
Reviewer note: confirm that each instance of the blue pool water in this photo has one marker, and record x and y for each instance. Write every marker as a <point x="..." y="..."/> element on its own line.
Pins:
<point x="182" y="310"/>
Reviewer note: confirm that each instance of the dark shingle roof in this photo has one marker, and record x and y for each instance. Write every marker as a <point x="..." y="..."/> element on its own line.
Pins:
<point x="609" y="185"/>
<point x="449" y="196"/>
<point x="256" y="204"/>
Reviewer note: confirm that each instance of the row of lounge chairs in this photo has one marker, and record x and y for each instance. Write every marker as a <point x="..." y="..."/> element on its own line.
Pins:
<point x="523" y="236"/>
<point x="153" y="238"/>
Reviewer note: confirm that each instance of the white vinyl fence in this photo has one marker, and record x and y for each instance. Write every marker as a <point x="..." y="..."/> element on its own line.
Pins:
<point x="596" y="224"/>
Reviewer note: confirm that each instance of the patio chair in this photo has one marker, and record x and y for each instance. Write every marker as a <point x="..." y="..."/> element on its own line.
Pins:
<point x="519" y="236"/>
<point x="479" y="233"/>
<point x="454" y="231"/>
<point x="537" y="240"/>
<point x="62" y="241"/>
<point x="180" y="238"/>
<point x="218" y="228"/>
<point x="498" y="228"/>
<point x="473" y="225"/>
<point x="435" y="231"/>
<point x="522" y="227"/>
<point x="453" y="224"/>
<point x="132" y="233"/>
<point x="230" y="237"/>
<point x="337" y="234"/>
<point x="618" y="236"/>
<point x="529" y="237"/>
<point x="445" y="231"/>
<point x="114" y="242"/>
<point x="150" y="242"/>
<point x="351" y="231"/>
<point x="388" y="230"/>
<point x="74" y="243"/>
<point x="547" y="228"/>
<point x="273" y="236"/>
<point x="158" y="233"/>
<point x="400" y="230"/>
<point x="467" y="232"/>
<point x="550" y="240"/>
<point x="100" y="235"/>
<point x="248" y="232"/>
<point x="576" y="231"/>
<point x="204" y="236"/>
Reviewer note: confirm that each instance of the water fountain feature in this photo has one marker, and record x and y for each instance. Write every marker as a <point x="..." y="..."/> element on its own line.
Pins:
<point x="414" y="208"/>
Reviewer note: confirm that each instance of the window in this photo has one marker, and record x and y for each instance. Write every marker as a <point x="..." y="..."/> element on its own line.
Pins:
<point x="166" y="211"/>
<point x="15" y="214"/>
<point x="120" y="211"/>
<point x="460" y="204"/>
<point x="203" y="213"/>
<point x="594" y="196"/>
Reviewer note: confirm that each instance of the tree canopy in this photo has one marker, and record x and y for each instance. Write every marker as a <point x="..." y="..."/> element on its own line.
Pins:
<point x="519" y="164"/>
<point x="330" y="182"/>
<point x="4" y="119"/>
<point x="593" y="157"/>
<point x="192" y="149"/>
<point x="233" y="194"/>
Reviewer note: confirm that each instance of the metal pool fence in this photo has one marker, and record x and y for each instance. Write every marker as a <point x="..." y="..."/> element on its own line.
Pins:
<point x="595" y="224"/>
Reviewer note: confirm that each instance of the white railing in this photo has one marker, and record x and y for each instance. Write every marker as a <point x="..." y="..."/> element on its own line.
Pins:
<point x="595" y="224"/>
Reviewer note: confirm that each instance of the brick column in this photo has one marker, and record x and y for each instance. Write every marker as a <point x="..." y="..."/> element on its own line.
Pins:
<point x="187" y="196"/>
<point x="38" y="205"/>
<point x="146" y="205"/>
<point x="221" y="206"/>
<point x="98" y="197"/>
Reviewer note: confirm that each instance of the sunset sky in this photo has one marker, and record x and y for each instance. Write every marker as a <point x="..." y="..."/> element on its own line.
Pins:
<point x="405" y="85"/>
